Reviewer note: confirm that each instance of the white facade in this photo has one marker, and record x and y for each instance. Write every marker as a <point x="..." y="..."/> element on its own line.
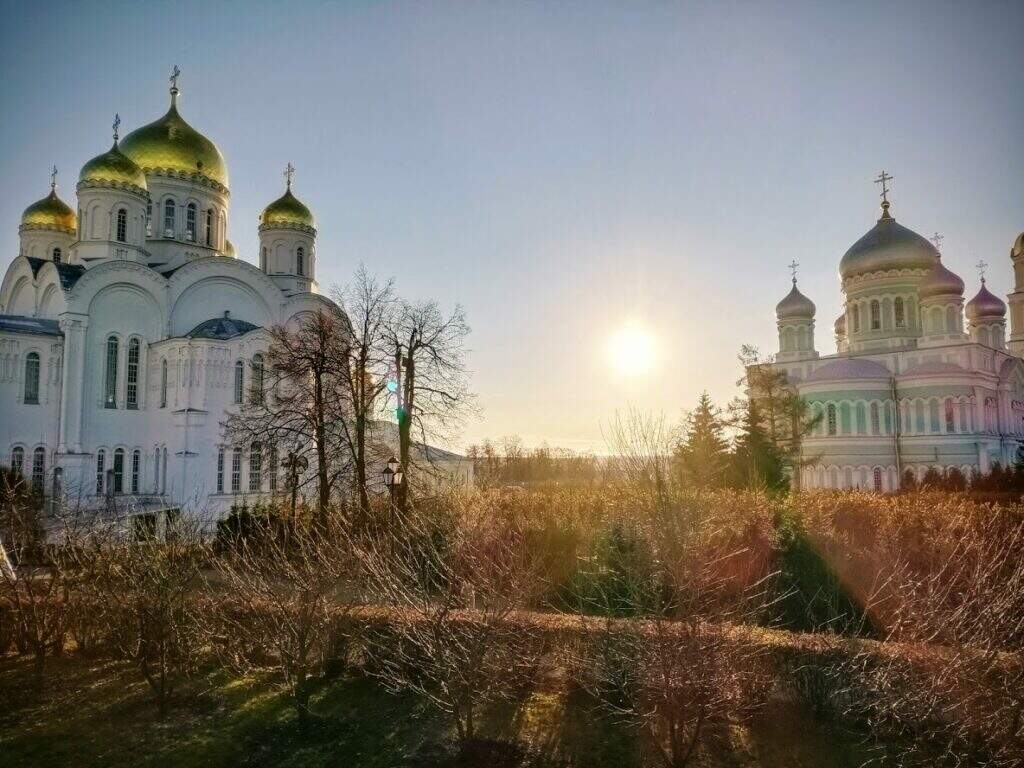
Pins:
<point x="911" y="386"/>
<point x="124" y="326"/>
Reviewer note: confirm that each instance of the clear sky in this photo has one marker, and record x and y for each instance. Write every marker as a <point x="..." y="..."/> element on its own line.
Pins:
<point x="561" y="169"/>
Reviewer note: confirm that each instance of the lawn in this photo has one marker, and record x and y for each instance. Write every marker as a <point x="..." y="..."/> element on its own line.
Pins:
<point x="97" y="713"/>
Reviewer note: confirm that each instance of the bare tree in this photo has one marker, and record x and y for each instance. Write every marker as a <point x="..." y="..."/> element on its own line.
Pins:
<point x="299" y="402"/>
<point x="289" y="588"/>
<point x="427" y="350"/>
<point x="453" y="586"/>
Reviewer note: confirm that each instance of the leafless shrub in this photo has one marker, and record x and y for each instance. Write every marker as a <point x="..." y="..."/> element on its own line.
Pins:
<point x="286" y="589"/>
<point x="452" y="585"/>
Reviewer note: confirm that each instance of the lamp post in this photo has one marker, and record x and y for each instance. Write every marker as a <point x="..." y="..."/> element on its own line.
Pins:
<point x="295" y="465"/>
<point x="392" y="476"/>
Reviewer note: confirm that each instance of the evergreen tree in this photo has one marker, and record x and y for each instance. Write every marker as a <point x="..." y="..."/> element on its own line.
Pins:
<point x="702" y="455"/>
<point x="756" y="461"/>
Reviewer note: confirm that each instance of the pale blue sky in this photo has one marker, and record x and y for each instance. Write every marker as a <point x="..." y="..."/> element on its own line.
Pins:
<point x="560" y="167"/>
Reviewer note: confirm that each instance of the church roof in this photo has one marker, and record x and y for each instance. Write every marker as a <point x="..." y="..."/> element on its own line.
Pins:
<point x="34" y="325"/>
<point x="68" y="273"/>
<point x="933" y="366"/>
<point x="940" y="282"/>
<point x="985" y="304"/>
<point x="221" y="328"/>
<point x="887" y="245"/>
<point x="795" y="306"/>
<point x="850" y="368"/>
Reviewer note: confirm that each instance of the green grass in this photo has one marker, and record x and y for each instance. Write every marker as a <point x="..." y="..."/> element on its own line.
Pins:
<point x="98" y="713"/>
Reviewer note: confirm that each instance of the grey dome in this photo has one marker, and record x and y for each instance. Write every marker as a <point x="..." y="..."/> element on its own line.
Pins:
<point x="887" y="245"/>
<point x="221" y="328"/>
<point x="795" y="306"/>
<point x="984" y="304"/>
<point x="850" y="368"/>
<point x="940" y="282"/>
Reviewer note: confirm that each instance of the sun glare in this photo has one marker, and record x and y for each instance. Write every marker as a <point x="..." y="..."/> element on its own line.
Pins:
<point x="631" y="349"/>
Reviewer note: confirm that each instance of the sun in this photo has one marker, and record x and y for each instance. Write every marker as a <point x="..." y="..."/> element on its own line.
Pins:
<point x="631" y="350"/>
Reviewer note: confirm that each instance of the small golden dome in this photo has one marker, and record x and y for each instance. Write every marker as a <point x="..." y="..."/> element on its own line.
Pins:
<point x="50" y="213"/>
<point x="113" y="167"/>
<point x="287" y="211"/>
<point x="172" y="145"/>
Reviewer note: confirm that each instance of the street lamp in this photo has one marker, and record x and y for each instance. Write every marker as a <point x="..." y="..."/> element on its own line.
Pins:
<point x="392" y="476"/>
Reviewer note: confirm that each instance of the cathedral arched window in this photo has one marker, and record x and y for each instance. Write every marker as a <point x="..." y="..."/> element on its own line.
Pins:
<point x="876" y="425"/>
<point x="855" y="318"/>
<point x="256" y="395"/>
<point x="901" y="313"/>
<point x="163" y="383"/>
<point x="255" y="467"/>
<point x="118" y="471"/>
<point x="831" y="417"/>
<point x="300" y="261"/>
<point x="32" y="378"/>
<point x="149" y="219"/>
<point x="169" y="218"/>
<point x="209" y="226"/>
<point x="876" y="477"/>
<point x="122" y="225"/>
<point x="132" y="380"/>
<point x="136" y="469"/>
<point x="950" y="416"/>
<point x="190" y="222"/>
<point x="56" y="255"/>
<point x="101" y="469"/>
<point x="263" y="259"/>
<point x="239" y="382"/>
<point x="38" y="468"/>
<point x="110" y="385"/>
<point x="876" y="315"/>
<point x="951" y="320"/>
<point x="163" y="474"/>
<point x="18" y="460"/>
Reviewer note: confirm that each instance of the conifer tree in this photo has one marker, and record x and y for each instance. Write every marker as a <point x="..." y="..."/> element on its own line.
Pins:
<point x="756" y="461"/>
<point x="702" y="454"/>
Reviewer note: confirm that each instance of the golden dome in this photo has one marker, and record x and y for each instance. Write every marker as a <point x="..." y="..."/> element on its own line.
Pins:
<point x="113" y="167"/>
<point x="172" y="145"/>
<point x="50" y="213"/>
<point x="287" y="211"/>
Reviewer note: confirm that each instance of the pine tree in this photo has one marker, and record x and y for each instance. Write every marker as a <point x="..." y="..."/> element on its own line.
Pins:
<point x="702" y="455"/>
<point x="756" y="461"/>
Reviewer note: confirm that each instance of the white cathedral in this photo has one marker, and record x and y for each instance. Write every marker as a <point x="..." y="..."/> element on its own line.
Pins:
<point x="129" y="329"/>
<point x="911" y="387"/>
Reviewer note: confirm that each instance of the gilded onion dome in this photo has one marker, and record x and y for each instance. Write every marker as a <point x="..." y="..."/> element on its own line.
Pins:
<point x="795" y="306"/>
<point x="50" y="213"/>
<point x="985" y="305"/>
<point x="887" y="246"/>
<point x="287" y="211"/>
<point x="940" y="282"/>
<point x="173" y="147"/>
<point x="114" y="168"/>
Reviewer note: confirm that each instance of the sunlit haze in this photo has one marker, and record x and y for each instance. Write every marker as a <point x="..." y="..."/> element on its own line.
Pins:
<point x="611" y="190"/>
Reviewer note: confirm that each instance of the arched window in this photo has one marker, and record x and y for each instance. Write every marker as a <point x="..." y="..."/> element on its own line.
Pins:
<point x="110" y="388"/>
<point x="149" y="219"/>
<point x="220" y="470"/>
<point x="156" y="471"/>
<point x="209" y="226"/>
<point x="122" y="225"/>
<point x="18" y="460"/>
<point x="300" y="261"/>
<point x="901" y="315"/>
<point x="877" y="479"/>
<point x="190" y="222"/>
<point x="239" y="382"/>
<point x="169" y="218"/>
<point x="256" y="395"/>
<point x="132" y="390"/>
<point x="32" y="378"/>
<point x="933" y="416"/>
<point x="951" y="324"/>
<point x="56" y="255"/>
<point x="263" y="259"/>
<point x="163" y="383"/>
<point x="950" y="417"/>
<point x="163" y="474"/>
<point x="875" y="420"/>
<point x="832" y="424"/>
<point x="119" y="470"/>
<point x="255" y="467"/>
<point x="136" y="469"/>
<point x="855" y="317"/>
<point x="876" y="315"/>
<point x="101" y="468"/>
<point x="236" y="469"/>
<point x="38" y="468"/>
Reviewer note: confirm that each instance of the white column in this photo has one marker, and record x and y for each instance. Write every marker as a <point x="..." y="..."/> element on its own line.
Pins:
<point x="73" y="383"/>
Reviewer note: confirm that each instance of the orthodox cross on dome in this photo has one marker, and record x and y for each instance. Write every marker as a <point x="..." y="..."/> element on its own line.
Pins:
<point x="792" y="269"/>
<point x="884" y="179"/>
<point x="175" y="74"/>
<point x="937" y="240"/>
<point x="53" y="178"/>
<point x="289" y="171"/>
<point x="117" y="125"/>
<point x="981" y="265"/>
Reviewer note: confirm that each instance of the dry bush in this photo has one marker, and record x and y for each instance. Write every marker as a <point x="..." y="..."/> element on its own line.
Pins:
<point x="452" y="582"/>
<point x="283" y="595"/>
